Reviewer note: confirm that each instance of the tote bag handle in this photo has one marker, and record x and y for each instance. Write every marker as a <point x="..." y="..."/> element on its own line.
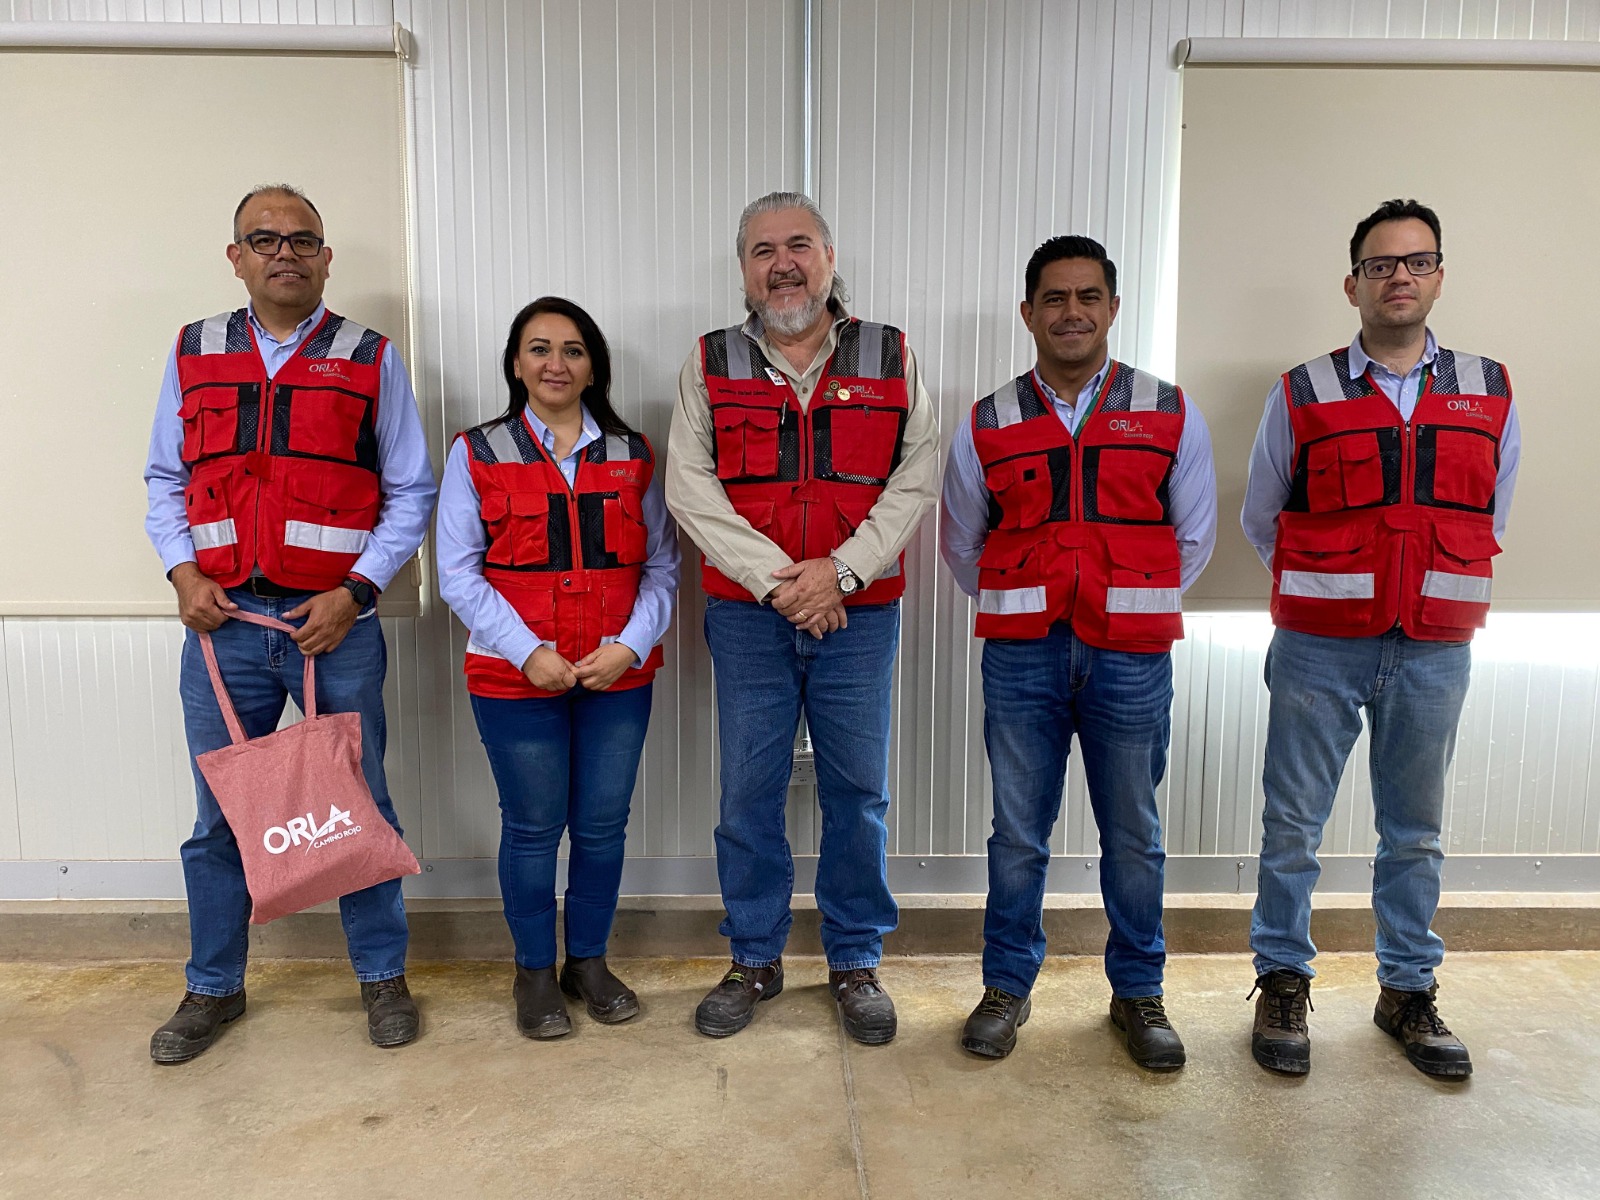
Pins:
<point x="225" y="702"/>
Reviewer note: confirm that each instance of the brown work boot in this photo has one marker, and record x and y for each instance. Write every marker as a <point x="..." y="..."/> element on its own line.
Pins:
<point x="392" y="1018"/>
<point x="194" y="1026"/>
<point x="991" y="1028"/>
<point x="865" y="1007"/>
<point x="1281" y="1042"/>
<point x="1151" y="1040"/>
<point x="728" y="1007"/>
<point x="1412" y="1020"/>
<point x="608" y="999"/>
<point x="541" y="1012"/>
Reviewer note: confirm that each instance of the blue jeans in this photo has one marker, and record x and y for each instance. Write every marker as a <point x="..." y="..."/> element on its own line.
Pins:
<point x="563" y="764"/>
<point x="262" y="668"/>
<point x="1412" y="692"/>
<point x="767" y="673"/>
<point x="1036" y="694"/>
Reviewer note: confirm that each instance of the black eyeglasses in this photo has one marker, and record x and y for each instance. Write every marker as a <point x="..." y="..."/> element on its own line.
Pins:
<point x="266" y="243"/>
<point x="1382" y="266"/>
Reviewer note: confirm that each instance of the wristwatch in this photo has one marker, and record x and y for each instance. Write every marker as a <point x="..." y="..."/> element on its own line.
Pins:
<point x="849" y="584"/>
<point x="360" y="591"/>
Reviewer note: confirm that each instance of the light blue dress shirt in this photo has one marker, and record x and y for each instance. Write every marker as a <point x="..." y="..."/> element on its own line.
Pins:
<point x="460" y="541"/>
<point x="1192" y="491"/>
<point x="405" y="475"/>
<point x="1272" y="456"/>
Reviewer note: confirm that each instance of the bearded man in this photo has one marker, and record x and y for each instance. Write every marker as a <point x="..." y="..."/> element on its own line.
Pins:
<point x="802" y="457"/>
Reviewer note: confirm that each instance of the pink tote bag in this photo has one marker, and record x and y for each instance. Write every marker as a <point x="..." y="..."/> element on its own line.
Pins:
<point x="307" y="826"/>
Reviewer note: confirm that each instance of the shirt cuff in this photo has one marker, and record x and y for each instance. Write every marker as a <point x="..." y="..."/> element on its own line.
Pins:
<point x="631" y="639"/>
<point x="519" y="647"/>
<point x="175" y="555"/>
<point x="854" y="557"/>
<point x="760" y="583"/>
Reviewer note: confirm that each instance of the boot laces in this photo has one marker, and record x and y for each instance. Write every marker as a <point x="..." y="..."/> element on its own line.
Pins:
<point x="996" y="1003"/>
<point x="386" y="989"/>
<point x="1421" y="1014"/>
<point x="862" y="979"/>
<point x="1151" y="1013"/>
<point x="1286" y="1003"/>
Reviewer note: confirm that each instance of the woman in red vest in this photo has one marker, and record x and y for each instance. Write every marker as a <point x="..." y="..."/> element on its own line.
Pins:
<point x="557" y="553"/>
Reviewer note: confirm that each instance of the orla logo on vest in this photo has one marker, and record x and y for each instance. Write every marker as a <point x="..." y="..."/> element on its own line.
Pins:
<point x="1129" y="427"/>
<point x="1467" y="408"/>
<point x="328" y="370"/>
<point x="306" y="829"/>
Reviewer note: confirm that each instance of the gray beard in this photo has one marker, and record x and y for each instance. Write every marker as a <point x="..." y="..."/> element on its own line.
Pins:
<point x="792" y="322"/>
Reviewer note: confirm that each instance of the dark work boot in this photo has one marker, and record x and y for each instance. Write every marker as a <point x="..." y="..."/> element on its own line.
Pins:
<point x="608" y="999"/>
<point x="541" y="1012"/>
<point x="1280" y="1040"/>
<point x="392" y="1018"/>
<point x="194" y="1026"/>
<point x="865" y="1007"/>
<point x="991" y="1028"/>
<point x="728" y="1007"/>
<point x="1412" y="1020"/>
<point x="1151" y="1040"/>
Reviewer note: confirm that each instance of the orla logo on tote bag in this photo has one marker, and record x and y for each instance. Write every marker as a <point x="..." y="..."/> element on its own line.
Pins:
<point x="305" y="829"/>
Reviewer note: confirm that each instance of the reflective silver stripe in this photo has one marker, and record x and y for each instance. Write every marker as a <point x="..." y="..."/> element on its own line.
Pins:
<point x="214" y="534"/>
<point x="869" y="362"/>
<point x="1145" y="395"/>
<point x="330" y="538"/>
<point x="502" y="443"/>
<point x="617" y="448"/>
<point x="738" y="354"/>
<point x="1319" y="585"/>
<point x="214" y="334"/>
<point x="1144" y="600"/>
<point x="1007" y="408"/>
<point x="1012" y="600"/>
<point x="1324" y="380"/>
<point x="474" y="648"/>
<point x="1468" y="589"/>
<point x="345" y="341"/>
<point x="1469" y="375"/>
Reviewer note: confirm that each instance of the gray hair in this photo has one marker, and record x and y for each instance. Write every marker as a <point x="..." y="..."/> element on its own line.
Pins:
<point x="772" y="202"/>
<point x="272" y="189"/>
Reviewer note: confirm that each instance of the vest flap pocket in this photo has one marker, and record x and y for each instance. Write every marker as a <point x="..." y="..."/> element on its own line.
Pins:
<point x="616" y="605"/>
<point x="537" y="608"/>
<point x="336" y="491"/>
<point x="1466" y="543"/>
<point x="1463" y="468"/>
<point x="325" y="424"/>
<point x="211" y="525"/>
<point x="747" y="441"/>
<point x="1360" y="469"/>
<point x="1323" y="539"/>
<point x="862" y="441"/>
<point x="758" y="512"/>
<point x="1022" y="488"/>
<point x="1126" y="483"/>
<point x="528" y="504"/>
<point x="1005" y="554"/>
<point x="210" y="422"/>
<point x="1143" y="555"/>
<point x="494" y="507"/>
<point x="524" y="535"/>
<point x="625" y="528"/>
<point x="852" y="511"/>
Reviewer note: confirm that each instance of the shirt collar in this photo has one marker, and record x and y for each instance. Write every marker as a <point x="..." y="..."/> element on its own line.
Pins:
<point x="1359" y="361"/>
<point x="547" y="439"/>
<point x="300" y="330"/>
<point x="1091" y="387"/>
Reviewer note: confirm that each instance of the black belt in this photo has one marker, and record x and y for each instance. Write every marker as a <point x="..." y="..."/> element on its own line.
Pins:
<point x="260" y="585"/>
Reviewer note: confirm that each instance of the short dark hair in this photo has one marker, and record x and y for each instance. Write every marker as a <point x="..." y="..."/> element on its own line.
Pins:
<point x="597" y="396"/>
<point x="1067" y="246"/>
<point x="1395" y="210"/>
<point x="272" y="189"/>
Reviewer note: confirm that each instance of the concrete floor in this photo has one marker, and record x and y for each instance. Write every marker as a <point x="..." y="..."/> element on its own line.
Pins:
<point x="292" y="1100"/>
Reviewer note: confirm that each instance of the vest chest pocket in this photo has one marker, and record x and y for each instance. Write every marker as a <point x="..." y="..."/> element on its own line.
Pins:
<point x="747" y="442"/>
<point x="626" y="534"/>
<point x="1344" y="472"/>
<point x="210" y="423"/>
<point x="1127" y="483"/>
<point x="519" y="527"/>
<point x="1463" y="468"/>
<point x="326" y="424"/>
<point x="1022" y="488"/>
<point x="862" y="440"/>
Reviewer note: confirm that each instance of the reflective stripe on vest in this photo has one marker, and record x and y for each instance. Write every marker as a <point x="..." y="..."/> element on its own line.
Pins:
<point x="331" y="539"/>
<point x="1144" y="600"/>
<point x="214" y="534"/>
<point x="1325" y="586"/>
<point x="1012" y="600"/>
<point x="1469" y="589"/>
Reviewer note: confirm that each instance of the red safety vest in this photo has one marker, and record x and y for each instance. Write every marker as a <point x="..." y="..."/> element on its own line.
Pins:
<point x="283" y="472"/>
<point x="806" y="478"/>
<point x="1390" y="521"/>
<point x="1080" y="530"/>
<point x="568" y="559"/>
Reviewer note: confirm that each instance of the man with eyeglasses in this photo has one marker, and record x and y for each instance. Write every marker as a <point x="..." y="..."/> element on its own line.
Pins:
<point x="1379" y="487"/>
<point x="288" y="475"/>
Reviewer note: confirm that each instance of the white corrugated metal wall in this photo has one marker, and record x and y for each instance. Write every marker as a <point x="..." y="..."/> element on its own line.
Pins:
<point x="603" y="151"/>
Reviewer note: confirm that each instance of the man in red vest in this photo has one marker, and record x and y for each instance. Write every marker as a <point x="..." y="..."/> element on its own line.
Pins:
<point x="288" y="475"/>
<point x="802" y="457"/>
<point x="1379" y="487"/>
<point x="1079" y="502"/>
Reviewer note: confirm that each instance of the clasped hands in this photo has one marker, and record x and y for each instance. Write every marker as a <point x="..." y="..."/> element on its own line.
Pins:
<point x="203" y="606"/>
<point x="548" y="671"/>
<point x="809" y="596"/>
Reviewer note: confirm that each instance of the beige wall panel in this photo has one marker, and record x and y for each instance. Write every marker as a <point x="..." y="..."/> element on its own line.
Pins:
<point x="1279" y="165"/>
